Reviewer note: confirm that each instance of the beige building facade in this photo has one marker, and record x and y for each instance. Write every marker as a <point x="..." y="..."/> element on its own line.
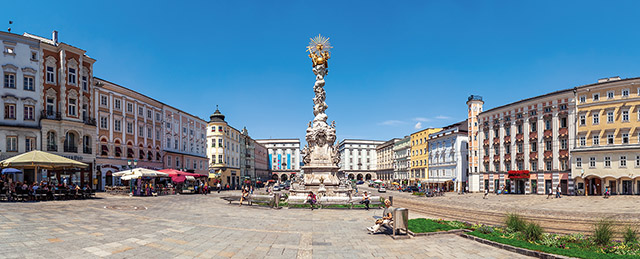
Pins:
<point x="385" y="155"/>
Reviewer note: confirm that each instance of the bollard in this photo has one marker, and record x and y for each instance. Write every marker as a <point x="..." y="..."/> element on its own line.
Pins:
<point x="391" y="200"/>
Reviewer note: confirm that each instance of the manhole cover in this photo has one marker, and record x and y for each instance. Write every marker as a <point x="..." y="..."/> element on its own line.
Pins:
<point x="124" y="207"/>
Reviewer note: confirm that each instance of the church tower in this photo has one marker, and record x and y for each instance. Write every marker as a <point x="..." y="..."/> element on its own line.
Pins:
<point x="474" y="105"/>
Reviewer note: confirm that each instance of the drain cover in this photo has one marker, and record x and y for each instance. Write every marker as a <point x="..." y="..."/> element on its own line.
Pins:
<point x="124" y="207"/>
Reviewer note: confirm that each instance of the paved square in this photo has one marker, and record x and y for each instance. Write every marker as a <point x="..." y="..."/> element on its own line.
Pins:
<point x="189" y="226"/>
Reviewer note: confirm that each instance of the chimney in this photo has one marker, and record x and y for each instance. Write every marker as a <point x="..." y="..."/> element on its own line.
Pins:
<point x="54" y="37"/>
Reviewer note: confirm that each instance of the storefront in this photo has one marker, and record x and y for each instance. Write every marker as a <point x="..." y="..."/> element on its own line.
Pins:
<point x="519" y="180"/>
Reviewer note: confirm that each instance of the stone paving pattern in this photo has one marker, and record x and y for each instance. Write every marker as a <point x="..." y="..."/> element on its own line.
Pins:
<point x="188" y="226"/>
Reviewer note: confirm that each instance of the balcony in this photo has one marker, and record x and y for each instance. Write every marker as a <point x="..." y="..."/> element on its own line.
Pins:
<point x="533" y="135"/>
<point x="89" y="121"/>
<point x="485" y="142"/>
<point x="507" y="157"/>
<point x="71" y="149"/>
<point x="563" y="153"/>
<point x="533" y="155"/>
<point x="51" y="115"/>
<point x="563" y="132"/>
<point x="548" y="155"/>
<point x="548" y="133"/>
<point x="52" y="147"/>
<point x="520" y="156"/>
<point x="519" y="137"/>
<point x="86" y="150"/>
<point x="507" y="139"/>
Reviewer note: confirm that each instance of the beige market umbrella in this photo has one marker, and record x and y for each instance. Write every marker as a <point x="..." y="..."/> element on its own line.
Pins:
<point x="139" y="172"/>
<point x="39" y="159"/>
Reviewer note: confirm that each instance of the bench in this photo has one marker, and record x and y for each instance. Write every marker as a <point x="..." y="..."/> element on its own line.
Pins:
<point x="250" y="199"/>
<point x="326" y="201"/>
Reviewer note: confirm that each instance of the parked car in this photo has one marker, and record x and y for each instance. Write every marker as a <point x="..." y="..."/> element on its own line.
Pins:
<point x="382" y="189"/>
<point x="411" y="189"/>
<point x="360" y="182"/>
<point x="276" y="188"/>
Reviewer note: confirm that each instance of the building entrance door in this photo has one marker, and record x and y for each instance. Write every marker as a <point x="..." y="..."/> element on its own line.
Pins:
<point x="564" y="186"/>
<point x="627" y="187"/>
<point x="548" y="186"/>
<point x="496" y="185"/>
<point x="520" y="186"/>
<point x="486" y="184"/>
<point x="534" y="186"/>
<point x="593" y="186"/>
<point x="612" y="187"/>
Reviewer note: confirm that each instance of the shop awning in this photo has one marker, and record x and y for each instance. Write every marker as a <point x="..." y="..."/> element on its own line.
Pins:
<point x="189" y="177"/>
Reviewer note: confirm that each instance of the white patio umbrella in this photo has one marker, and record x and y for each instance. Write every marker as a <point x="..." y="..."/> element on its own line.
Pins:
<point x="139" y="172"/>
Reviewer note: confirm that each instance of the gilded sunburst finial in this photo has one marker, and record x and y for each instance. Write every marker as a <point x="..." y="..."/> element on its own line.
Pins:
<point x="319" y="50"/>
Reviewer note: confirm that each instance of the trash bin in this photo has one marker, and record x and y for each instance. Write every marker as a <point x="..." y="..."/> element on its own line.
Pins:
<point x="400" y="220"/>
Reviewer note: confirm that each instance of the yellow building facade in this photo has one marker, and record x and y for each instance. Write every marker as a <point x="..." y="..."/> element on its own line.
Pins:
<point x="607" y="149"/>
<point x="420" y="155"/>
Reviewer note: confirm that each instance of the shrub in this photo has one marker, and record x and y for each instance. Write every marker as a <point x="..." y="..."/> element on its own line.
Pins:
<point x="630" y="235"/>
<point x="602" y="232"/>
<point x="515" y="222"/>
<point x="532" y="231"/>
<point x="485" y="229"/>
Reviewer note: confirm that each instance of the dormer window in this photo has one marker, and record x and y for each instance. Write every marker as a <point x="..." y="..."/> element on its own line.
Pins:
<point x="72" y="76"/>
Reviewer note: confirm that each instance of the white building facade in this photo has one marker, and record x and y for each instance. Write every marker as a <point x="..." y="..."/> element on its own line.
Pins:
<point x="358" y="158"/>
<point x="448" y="160"/>
<point x="402" y="159"/>
<point x="284" y="157"/>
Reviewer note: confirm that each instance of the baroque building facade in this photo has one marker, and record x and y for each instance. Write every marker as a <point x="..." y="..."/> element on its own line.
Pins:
<point x="448" y="158"/>
<point x="606" y="154"/>
<point x="420" y="155"/>
<point x="525" y="145"/>
<point x="358" y="158"/>
<point x="384" y="160"/>
<point x="21" y="95"/>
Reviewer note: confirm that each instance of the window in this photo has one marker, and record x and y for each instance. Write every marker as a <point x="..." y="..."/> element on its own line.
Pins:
<point x="547" y="145"/>
<point x="149" y="133"/>
<point x="592" y="162"/>
<point x="596" y="140"/>
<point x="140" y="111"/>
<point x="519" y="129"/>
<point x="610" y="139"/>
<point x="625" y="116"/>
<point x="85" y="84"/>
<point x="563" y="165"/>
<point x="28" y="113"/>
<point x="507" y="131"/>
<point x="141" y="131"/>
<point x="130" y="127"/>
<point x="104" y="123"/>
<point x="625" y="138"/>
<point x="623" y="161"/>
<point x="583" y="98"/>
<point x="547" y="109"/>
<point x="548" y="165"/>
<point x="157" y="116"/>
<point x="104" y="101"/>
<point x="129" y="107"/>
<point x="534" y="166"/>
<point x="149" y="114"/>
<point x="117" y="125"/>
<point x="9" y="50"/>
<point x="507" y="149"/>
<point x="563" y="122"/>
<point x="72" y="76"/>
<point x="9" y="80"/>
<point x="519" y="149"/>
<point x="607" y="161"/>
<point x="12" y="144"/>
<point x="596" y="118"/>
<point x="583" y="120"/>
<point x="625" y="92"/>
<point x="10" y="111"/>
<point x="534" y="147"/>
<point x="609" y="117"/>
<point x="610" y="95"/>
<point x="29" y="144"/>
<point x="578" y="162"/>
<point x="563" y="144"/>
<point x="72" y="107"/>
<point x="220" y="159"/>
<point x="51" y="75"/>
<point x="28" y="83"/>
<point x="583" y="141"/>
<point x="547" y="124"/>
<point x="116" y="104"/>
<point x="534" y="126"/>
<point x="638" y="160"/>
<point x="563" y="107"/>
<point x="596" y="97"/>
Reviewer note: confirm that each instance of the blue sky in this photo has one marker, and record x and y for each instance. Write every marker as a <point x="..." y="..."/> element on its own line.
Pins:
<point x="395" y="64"/>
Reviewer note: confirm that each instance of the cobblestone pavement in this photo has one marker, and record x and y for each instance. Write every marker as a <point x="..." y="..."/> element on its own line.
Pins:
<point x="205" y="226"/>
<point x="590" y="207"/>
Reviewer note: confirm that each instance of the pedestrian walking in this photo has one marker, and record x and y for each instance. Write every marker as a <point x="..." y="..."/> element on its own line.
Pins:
<point x="219" y="187"/>
<point x="550" y="192"/>
<point x="606" y="192"/>
<point x="486" y="192"/>
<point x="558" y="192"/>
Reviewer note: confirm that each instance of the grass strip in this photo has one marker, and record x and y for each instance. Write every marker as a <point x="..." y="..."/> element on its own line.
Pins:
<point x="422" y="225"/>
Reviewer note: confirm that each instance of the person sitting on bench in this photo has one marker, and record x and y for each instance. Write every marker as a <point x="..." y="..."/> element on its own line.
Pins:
<point x="387" y="218"/>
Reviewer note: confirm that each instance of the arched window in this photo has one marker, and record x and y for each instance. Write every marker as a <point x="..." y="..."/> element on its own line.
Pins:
<point x="86" y="144"/>
<point x="51" y="141"/>
<point x="70" y="143"/>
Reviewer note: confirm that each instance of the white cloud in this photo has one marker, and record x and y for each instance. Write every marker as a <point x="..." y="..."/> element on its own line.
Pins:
<point x="391" y="122"/>
<point x="422" y="119"/>
<point x="418" y="125"/>
<point x="442" y="117"/>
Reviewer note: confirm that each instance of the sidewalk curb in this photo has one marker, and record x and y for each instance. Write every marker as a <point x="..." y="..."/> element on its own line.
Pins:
<point x="514" y="249"/>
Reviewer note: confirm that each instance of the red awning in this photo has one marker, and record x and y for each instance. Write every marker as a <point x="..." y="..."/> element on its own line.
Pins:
<point x="178" y="176"/>
<point x="522" y="174"/>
